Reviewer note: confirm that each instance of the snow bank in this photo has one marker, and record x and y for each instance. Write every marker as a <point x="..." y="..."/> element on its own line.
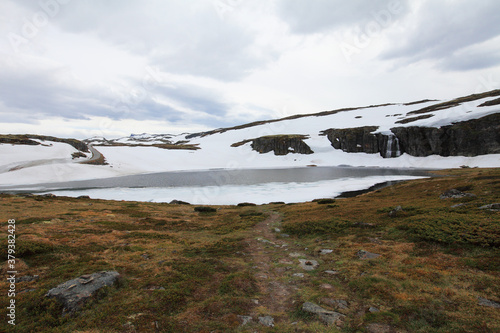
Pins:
<point x="232" y="195"/>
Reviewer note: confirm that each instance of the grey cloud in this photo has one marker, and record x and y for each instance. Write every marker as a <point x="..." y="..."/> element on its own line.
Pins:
<point x="39" y="94"/>
<point x="184" y="37"/>
<point x="320" y="15"/>
<point x="196" y="99"/>
<point x="470" y="61"/>
<point x="445" y="29"/>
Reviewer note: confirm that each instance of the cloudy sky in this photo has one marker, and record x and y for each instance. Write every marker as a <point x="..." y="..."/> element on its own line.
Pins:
<point x="79" y="68"/>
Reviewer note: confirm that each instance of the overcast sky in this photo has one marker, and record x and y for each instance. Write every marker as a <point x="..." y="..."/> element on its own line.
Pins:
<point x="79" y="68"/>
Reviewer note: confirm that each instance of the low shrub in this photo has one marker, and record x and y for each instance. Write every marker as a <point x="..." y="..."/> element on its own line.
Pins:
<point x="203" y="209"/>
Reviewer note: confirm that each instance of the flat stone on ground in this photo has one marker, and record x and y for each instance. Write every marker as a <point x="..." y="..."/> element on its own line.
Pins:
<point x="73" y="294"/>
<point x="267" y="321"/>
<point x="308" y="264"/>
<point x="363" y="255"/>
<point x="327" y="316"/>
<point x="487" y="302"/>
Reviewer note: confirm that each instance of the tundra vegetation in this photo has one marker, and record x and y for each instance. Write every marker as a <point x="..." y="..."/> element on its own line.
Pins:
<point x="183" y="270"/>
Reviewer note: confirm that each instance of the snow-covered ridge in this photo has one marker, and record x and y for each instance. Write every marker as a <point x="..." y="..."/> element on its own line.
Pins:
<point x="142" y="139"/>
<point x="139" y="153"/>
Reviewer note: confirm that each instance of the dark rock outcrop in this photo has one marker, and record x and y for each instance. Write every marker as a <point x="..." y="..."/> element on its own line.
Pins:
<point x="73" y="294"/>
<point x="357" y="139"/>
<point x="455" y="194"/>
<point x="467" y="138"/>
<point x="280" y="144"/>
<point x="363" y="140"/>
<point x="18" y="140"/>
<point x="29" y="139"/>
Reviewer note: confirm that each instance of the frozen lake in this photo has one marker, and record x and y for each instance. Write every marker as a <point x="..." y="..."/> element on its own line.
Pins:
<point x="229" y="186"/>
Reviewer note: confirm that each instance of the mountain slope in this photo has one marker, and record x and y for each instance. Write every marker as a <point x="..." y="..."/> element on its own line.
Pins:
<point x="386" y="140"/>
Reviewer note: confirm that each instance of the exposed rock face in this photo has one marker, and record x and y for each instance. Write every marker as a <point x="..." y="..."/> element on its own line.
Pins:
<point x="75" y="293"/>
<point x="362" y="140"/>
<point x="281" y="144"/>
<point x="468" y="138"/>
<point x="357" y="139"/>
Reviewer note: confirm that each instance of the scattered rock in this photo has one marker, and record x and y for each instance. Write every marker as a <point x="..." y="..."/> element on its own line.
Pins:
<point x="267" y="321"/>
<point x="378" y="328"/>
<point x="179" y="202"/>
<point x="363" y="255"/>
<point x="458" y="205"/>
<point x="27" y="278"/>
<point x="308" y="265"/>
<point x="338" y="304"/>
<point x="284" y="235"/>
<point x="396" y="211"/>
<point x="325" y="251"/>
<point x="327" y="286"/>
<point x="487" y="302"/>
<point x="245" y="320"/>
<point x="331" y="272"/>
<point x="373" y="309"/>
<point x="285" y="261"/>
<point x="327" y="316"/>
<point x="300" y="275"/>
<point x="493" y="207"/>
<point x="154" y="288"/>
<point x="73" y="294"/>
<point x="374" y="240"/>
<point x="455" y="194"/>
<point x="363" y="224"/>
<point x="278" y="230"/>
<point x="296" y="254"/>
<point x="26" y="291"/>
<point x="265" y="241"/>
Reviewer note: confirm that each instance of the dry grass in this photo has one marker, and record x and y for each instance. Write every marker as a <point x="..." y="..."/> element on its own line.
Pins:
<point x="427" y="278"/>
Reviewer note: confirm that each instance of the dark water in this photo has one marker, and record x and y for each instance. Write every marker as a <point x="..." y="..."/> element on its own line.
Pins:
<point x="220" y="178"/>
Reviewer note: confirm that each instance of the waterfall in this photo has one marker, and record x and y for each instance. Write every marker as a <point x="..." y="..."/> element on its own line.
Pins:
<point x="392" y="147"/>
<point x="388" y="149"/>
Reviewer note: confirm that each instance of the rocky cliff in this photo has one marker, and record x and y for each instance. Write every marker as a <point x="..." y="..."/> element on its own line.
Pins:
<point x="362" y="140"/>
<point x="280" y="144"/>
<point x="468" y="138"/>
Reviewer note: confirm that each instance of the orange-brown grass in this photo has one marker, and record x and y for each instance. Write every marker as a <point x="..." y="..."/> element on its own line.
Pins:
<point x="172" y="261"/>
<point x="426" y="279"/>
<point x="184" y="271"/>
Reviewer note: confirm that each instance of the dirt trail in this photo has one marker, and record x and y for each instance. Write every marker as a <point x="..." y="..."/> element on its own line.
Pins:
<point x="266" y="250"/>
